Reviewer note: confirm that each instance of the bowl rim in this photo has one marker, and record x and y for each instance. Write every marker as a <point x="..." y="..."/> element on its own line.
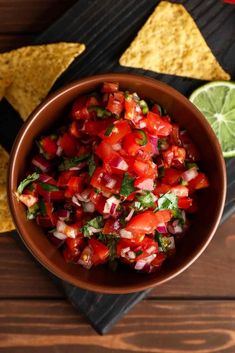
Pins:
<point x="109" y="289"/>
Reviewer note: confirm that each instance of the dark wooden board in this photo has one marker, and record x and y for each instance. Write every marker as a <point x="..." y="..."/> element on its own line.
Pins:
<point x="107" y="28"/>
<point x="151" y="327"/>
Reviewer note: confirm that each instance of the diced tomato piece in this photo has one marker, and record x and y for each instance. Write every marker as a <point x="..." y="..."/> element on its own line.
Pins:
<point x="49" y="146"/>
<point x="92" y="101"/>
<point x="180" y="190"/>
<point x="133" y="146"/>
<point x="157" y="262"/>
<point x="57" y="195"/>
<point x="157" y="126"/>
<point x="95" y="128"/>
<point x="74" y="129"/>
<point x="144" y="183"/>
<point x="98" y="200"/>
<point x="69" y="144"/>
<point x="79" y="109"/>
<point x="146" y="222"/>
<point x="175" y="135"/>
<point x="110" y="87"/>
<point x="161" y="189"/>
<point x="171" y="176"/>
<point x="101" y="180"/>
<point x="76" y="184"/>
<point x="174" y="156"/>
<point x="112" y="226"/>
<point x="116" y="164"/>
<point x="75" y="243"/>
<point x="100" y="251"/>
<point x="199" y="182"/>
<point x="192" y="153"/>
<point x="64" y="177"/>
<point x="44" y="221"/>
<point x="185" y="202"/>
<point x="120" y="129"/>
<point x="116" y="103"/>
<point x="105" y="151"/>
<point x="130" y="109"/>
<point x="145" y="168"/>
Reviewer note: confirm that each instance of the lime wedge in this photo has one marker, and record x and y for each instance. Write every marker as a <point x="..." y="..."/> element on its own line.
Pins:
<point x="216" y="101"/>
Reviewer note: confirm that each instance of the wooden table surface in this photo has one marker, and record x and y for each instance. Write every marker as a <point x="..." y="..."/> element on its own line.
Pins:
<point x="192" y="313"/>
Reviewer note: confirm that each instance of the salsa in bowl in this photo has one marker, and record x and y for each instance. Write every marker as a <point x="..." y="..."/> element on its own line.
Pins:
<point x="115" y="181"/>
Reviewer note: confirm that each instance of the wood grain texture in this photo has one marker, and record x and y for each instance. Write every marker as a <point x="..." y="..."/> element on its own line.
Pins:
<point x="25" y="16"/>
<point x="211" y="276"/>
<point x="151" y="327"/>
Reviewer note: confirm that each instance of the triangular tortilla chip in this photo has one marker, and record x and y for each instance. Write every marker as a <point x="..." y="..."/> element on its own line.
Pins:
<point x="6" y="223"/>
<point x="5" y="79"/>
<point x="35" y="69"/>
<point x="170" y="43"/>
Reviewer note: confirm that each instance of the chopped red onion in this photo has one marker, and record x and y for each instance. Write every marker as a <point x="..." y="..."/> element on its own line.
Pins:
<point x="44" y="178"/>
<point x="119" y="163"/>
<point x="40" y="162"/>
<point x="111" y="183"/>
<point x="131" y="255"/>
<point x="59" y="235"/>
<point x="94" y="230"/>
<point x="154" y="142"/>
<point x="151" y="249"/>
<point x="75" y="200"/>
<point x="147" y="260"/>
<point x="175" y="229"/>
<point x="190" y="174"/>
<point x="59" y="151"/>
<point x="63" y="214"/>
<point x="79" y="166"/>
<point x="124" y="251"/>
<point x="130" y="214"/>
<point x="142" y="124"/>
<point x="84" y="196"/>
<point x="60" y="226"/>
<point x="116" y="147"/>
<point x="89" y="207"/>
<point x="162" y="228"/>
<point x="111" y="205"/>
<point x="125" y="234"/>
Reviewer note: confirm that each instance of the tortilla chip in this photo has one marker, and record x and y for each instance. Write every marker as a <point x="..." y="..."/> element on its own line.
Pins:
<point x="6" y="223"/>
<point x="170" y="43"/>
<point x="5" y="79"/>
<point x="35" y="69"/>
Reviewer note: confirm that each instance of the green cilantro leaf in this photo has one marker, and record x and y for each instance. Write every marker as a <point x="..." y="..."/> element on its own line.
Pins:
<point x="91" y="166"/>
<point x="146" y="200"/>
<point x="48" y="187"/>
<point x="127" y="186"/>
<point x="27" y="181"/>
<point x="72" y="162"/>
<point x="168" y="201"/>
<point x="96" y="223"/>
<point x="109" y="130"/>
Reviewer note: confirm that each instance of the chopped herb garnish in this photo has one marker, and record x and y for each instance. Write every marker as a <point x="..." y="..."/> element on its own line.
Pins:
<point x="109" y="130"/>
<point x="162" y="144"/>
<point x="142" y="141"/>
<point x="183" y="182"/>
<point x="42" y="207"/>
<point x="190" y="165"/>
<point x="97" y="191"/>
<point x="163" y="242"/>
<point x="168" y="201"/>
<point x="127" y="186"/>
<point x="112" y="245"/>
<point x="179" y="215"/>
<point x="96" y="223"/>
<point x="146" y="200"/>
<point x="91" y="165"/>
<point x="72" y="162"/>
<point x="27" y="181"/>
<point x="32" y="211"/>
<point x="139" y="252"/>
<point x="144" y="107"/>
<point x="100" y="112"/>
<point x="48" y="187"/>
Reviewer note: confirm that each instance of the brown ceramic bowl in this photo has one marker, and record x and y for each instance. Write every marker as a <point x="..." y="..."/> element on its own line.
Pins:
<point x="211" y="200"/>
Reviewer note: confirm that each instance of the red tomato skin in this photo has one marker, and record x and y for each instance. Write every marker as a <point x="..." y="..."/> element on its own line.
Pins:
<point x="146" y="222"/>
<point x="49" y="145"/>
<point x="199" y="182"/>
<point x="120" y="130"/>
<point x="185" y="202"/>
<point x="171" y="176"/>
<point x="100" y="251"/>
<point x="68" y="144"/>
<point x="79" y="109"/>
<point x="116" y="103"/>
<point x="157" y="126"/>
<point x="110" y="87"/>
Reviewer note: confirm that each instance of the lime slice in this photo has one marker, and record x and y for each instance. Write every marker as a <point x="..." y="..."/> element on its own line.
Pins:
<point x="216" y="101"/>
